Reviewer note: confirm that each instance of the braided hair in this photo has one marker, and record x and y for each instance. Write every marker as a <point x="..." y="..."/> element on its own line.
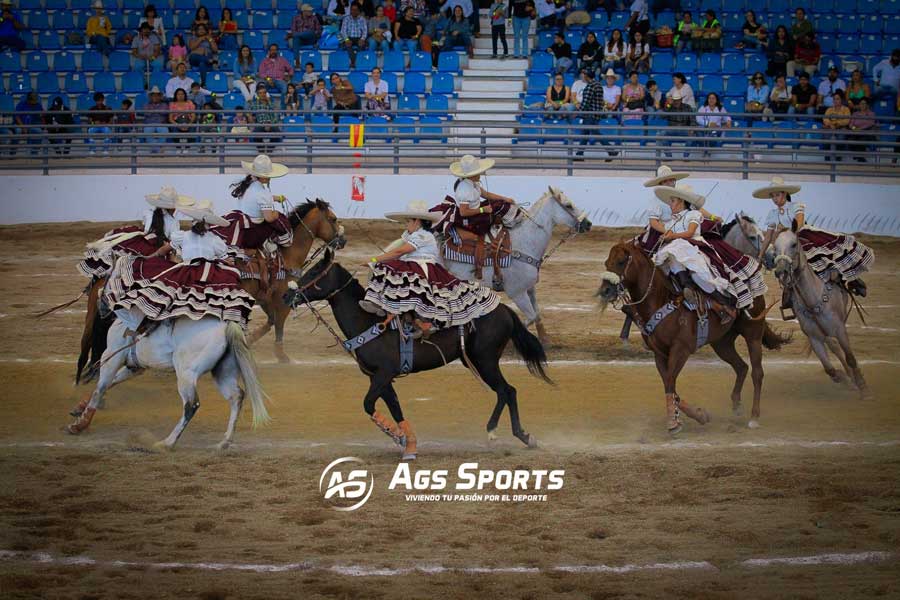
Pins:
<point x="158" y="226"/>
<point x="239" y="188"/>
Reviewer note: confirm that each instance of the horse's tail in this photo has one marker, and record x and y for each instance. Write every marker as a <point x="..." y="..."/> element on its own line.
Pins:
<point x="774" y="340"/>
<point x="247" y="366"/>
<point x="530" y="348"/>
<point x="93" y="338"/>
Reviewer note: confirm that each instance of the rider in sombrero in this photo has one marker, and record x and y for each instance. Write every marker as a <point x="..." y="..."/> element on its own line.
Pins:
<point x="472" y="207"/>
<point x="257" y="218"/>
<point x="159" y="225"/>
<point x="408" y="279"/>
<point x="829" y="254"/>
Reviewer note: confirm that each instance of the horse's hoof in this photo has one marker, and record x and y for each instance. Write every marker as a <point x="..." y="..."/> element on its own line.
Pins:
<point x="409" y="456"/>
<point x="866" y="394"/>
<point x="703" y="416"/>
<point x="223" y="445"/>
<point x="76" y="412"/>
<point x="401" y="441"/>
<point x="532" y="441"/>
<point x="673" y="431"/>
<point x="492" y="435"/>
<point x="72" y="429"/>
<point x="753" y="424"/>
<point x="162" y="445"/>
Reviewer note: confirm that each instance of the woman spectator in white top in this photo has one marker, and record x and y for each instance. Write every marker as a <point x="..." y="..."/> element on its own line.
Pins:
<point x="637" y="54"/>
<point x="155" y="21"/>
<point x="713" y="118"/>
<point x="377" y="100"/>
<point x="614" y="51"/>
<point x="684" y="88"/>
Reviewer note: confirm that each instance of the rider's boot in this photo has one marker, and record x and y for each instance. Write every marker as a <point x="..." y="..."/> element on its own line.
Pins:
<point x="857" y="287"/>
<point x="371" y="307"/>
<point x="687" y="287"/>
<point x="423" y="329"/>
<point x="724" y="305"/>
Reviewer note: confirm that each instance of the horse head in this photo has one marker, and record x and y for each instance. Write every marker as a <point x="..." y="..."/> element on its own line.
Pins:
<point x="751" y="232"/>
<point x="319" y="282"/>
<point x="570" y="215"/>
<point x="623" y="266"/>
<point x="317" y="218"/>
<point x="789" y="257"/>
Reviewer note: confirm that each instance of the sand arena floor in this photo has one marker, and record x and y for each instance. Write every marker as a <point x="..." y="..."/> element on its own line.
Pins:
<point x="818" y="478"/>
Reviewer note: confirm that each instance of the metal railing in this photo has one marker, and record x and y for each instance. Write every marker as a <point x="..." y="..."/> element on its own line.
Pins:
<point x="582" y="142"/>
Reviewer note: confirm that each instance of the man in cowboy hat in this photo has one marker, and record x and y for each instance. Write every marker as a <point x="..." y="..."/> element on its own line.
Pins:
<point x="99" y="29"/>
<point x="156" y="119"/>
<point x="10" y="26"/>
<point x="305" y="31"/>
<point x="612" y="94"/>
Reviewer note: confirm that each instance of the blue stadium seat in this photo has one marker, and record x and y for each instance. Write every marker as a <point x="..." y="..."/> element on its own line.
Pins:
<point x="231" y="101"/>
<point x="574" y="38"/>
<point x="132" y="5"/>
<point x="662" y="63"/>
<point x="532" y="106"/>
<point x="19" y="83"/>
<point x="712" y="83"/>
<point x="133" y="82"/>
<point x="216" y="81"/>
<point x="115" y="99"/>
<point x="313" y="56"/>
<point x="598" y="22"/>
<point x="358" y="79"/>
<point x="733" y="105"/>
<point x="827" y="42"/>
<point x="852" y="62"/>
<point x="846" y="44"/>
<point x="545" y="40"/>
<point x="339" y="61"/>
<point x="779" y="6"/>
<point x="377" y="129"/>
<point x="366" y="61"/>
<point x="710" y="63"/>
<point x="7" y="104"/>
<point x="420" y="62"/>
<point x="84" y="102"/>
<point x="294" y="125"/>
<point x="91" y="61"/>
<point x="10" y="62"/>
<point x="732" y="21"/>
<point x="443" y="83"/>
<point x="756" y="63"/>
<point x="119" y="61"/>
<point x="36" y="62"/>
<point x="286" y="6"/>
<point x="241" y="17"/>
<point x="448" y="62"/>
<point x="408" y="102"/>
<point x="104" y="82"/>
<point x="254" y="39"/>
<point x="263" y="20"/>
<point x="414" y="83"/>
<point x="848" y="24"/>
<point x="49" y="40"/>
<point x="439" y="104"/>
<point x="185" y="4"/>
<point x="542" y="62"/>
<point x="266" y="5"/>
<point x="394" y="62"/>
<point x="406" y="127"/>
<point x="870" y="44"/>
<point x="871" y="24"/>
<point x="391" y="80"/>
<point x="619" y="20"/>
<point x="235" y="5"/>
<point x="159" y="80"/>
<point x="889" y="43"/>
<point x="732" y="64"/>
<point x="38" y="20"/>
<point x="892" y="24"/>
<point x="686" y="63"/>
<point x="431" y="129"/>
<point x="76" y="83"/>
<point x="64" y="62"/>
<point x="733" y="6"/>
<point x="537" y="83"/>
<point x="47" y="83"/>
<point x="884" y="108"/>
<point x="664" y="81"/>
<point x="827" y="23"/>
<point x="868" y="7"/>
<point x="890" y="7"/>
<point x="653" y="124"/>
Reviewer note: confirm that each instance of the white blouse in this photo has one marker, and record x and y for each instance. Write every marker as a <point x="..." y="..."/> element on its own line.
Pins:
<point x="170" y="223"/>
<point x="681" y="222"/>
<point x="256" y="199"/>
<point x="425" y="245"/>
<point x="192" y="246"/>
<point x="660" y="211"/>
<point x="468" y="193"/>
<point x="785" y="215"/>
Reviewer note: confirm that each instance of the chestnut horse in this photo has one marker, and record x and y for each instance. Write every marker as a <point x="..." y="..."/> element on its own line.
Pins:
<point x="632" y="278"/>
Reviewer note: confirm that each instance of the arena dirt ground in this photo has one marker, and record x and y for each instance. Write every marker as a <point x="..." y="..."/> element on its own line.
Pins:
<point x="818" y="477"/>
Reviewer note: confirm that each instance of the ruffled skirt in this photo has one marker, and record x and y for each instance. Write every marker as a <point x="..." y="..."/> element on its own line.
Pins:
<point x="244" y="233"/>
<point x="430" y="291"/>
<point x="683" y="255"/>
<point x="98" y="261"/>
<point x="826" y="251"/>
<point x="744" y="273"/>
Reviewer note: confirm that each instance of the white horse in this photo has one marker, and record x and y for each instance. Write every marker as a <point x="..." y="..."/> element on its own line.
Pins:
<point x="191" y="348"/>
<point x="744" y="235"/>
<point x="821" y="307"/>
<point x="529" y="241"/>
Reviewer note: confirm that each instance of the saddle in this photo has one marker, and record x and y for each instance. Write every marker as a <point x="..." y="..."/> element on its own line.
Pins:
<point x="490" y="250"/>
<point x="260" y="266"/>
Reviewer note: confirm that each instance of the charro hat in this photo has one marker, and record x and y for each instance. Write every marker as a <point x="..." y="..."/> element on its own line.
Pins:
<point x="662" y="173"/>
<point x="417" y="209"/>
<point x="97" y="4"/>
<point x="155" y="90"/>
<point x="201" y="210"/>
<point x="777" y="185"/>
<point x="262" y="166"/>
<point x="306" y="7"/>
<point x="681" y="190"/>
<point x="469" y="166"/>
<point x="676" y="94"/>
<point x="167" y="198"/>
<point x="610" y="73"/>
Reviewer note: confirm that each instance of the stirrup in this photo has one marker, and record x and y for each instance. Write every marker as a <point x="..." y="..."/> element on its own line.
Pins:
<point x="784" y="314"/>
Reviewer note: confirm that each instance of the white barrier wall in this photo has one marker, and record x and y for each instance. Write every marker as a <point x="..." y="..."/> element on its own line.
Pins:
<point x="612" y="201"/>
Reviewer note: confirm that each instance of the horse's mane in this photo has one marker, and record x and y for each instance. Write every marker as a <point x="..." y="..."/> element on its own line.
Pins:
<point x="299" y="213"/>
<point x="730" y="224"/>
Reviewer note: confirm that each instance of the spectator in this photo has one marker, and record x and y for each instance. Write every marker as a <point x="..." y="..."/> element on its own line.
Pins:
<point x="558" y="99"/>
<point x="146" y="50"/>
<point x="203" y="50"/>
<point x="470" y="12"/>
<point x="376" y="91"/>
<point x="245" y="73"/>
<point x="228" y="31"/>
<point x="306" y="29"/>
<point x="407" y="31"/>
<point x="337" y="10"/>
<point x="862" y="121"/>
<point x="713" y="118"/>
<point x="837" y="120"/>
<point x="10" y="26"/>
<point x="98" y="30"/>
<point x="379" y="31"/>
<point x="592" y="105"/>
<point x="684" y="89"/>
<point x="827" y="88"/>
<point x="29" y="119"/>
<point x="265" y="119"/>
<point x="779" y="52"/>
<point x="367" y="8"/>
<point x="577" y="91"/>
<point x="99" y="117"/>
<point x="614" y="51"/>
<point x="522" y="13"/>
<point x="678" y="114"/>
<point x="498" y="27"/>
<point x="780" y="97"/>
<point x="637" y="54"/>
<point x="633" y="97"/>
<point x="589" y="53"/>
<point x="420" y="8"/>
<point x="887" y="76"/>
<point x="209" y="125"/>
<point x="182" y="118"/>
<point x="757" y="94"/>
<point x="240" y="124"/>
<point x="124" y="120"/>
<point x="803" y="97"/>
<point x="802" y="27"/>
<point x="684" y="33"/>
<point x="309" y="79"/>
<point x="562" y="53"/>
<point x="390" y="11"/>
<point x="710" y="33"/>
<point x="546" y="14"/>
<point x="343" y="96"/>
<point x="754" y="33"/>
<point x="354" y="33"/>
<point x="156" y="118"/>
<point x="433" y="33"/>
<point x="201" y="17"/>
<point x="807" y="53"/>
<point x="275" y="70"/>
<point x="654" y="97"/>
<point x="59" y="123"/>
<point x="177" y="52"/>
<point x="458" y="33"/>
<point x="639" y="20"/>
<point x="198" y="95"/>
<point x="612" y="94"/>
<point x="152" y="18"/>
<point x="320" y="97"/>
<point x="657" y="6"/>
<point x="857" y="90"/>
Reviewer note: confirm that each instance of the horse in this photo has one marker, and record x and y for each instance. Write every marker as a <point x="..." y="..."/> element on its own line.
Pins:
<point x="743" y="234"/>
<point x="673" y="329"/>
<point x="529" y="241"/>
<point x="310" y="220"/>
<point x="479" y="346"/>
<point x="821" y="308"/>
<point x="191" y="348"/>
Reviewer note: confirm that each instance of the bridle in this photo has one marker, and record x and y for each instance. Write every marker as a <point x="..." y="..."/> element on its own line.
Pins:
<point x="740" y="223"/>
<point x="621" y="292"/>
<point x="573" y="231"/>
<point x="332" y="243"/>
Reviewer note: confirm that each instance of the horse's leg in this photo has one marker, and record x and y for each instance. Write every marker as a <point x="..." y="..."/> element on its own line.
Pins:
<point x="678" y="356"/>
<point x="837" y="351"/>
<point x="754" y="348"/>
<point x="487" y="362"/>
<point x="523" y="301"/>
<point x="724" y="348"/>
<point x="109" y="373"/>
<point x="187" y="389"/>
<point x="226" y="375"/>
<point x="280" y="312"/>
<point x="389" y="395"/>
<point x="377" y="383"/>
<point x="818" y="346"/>
<point x="844" y="340"/>
<point x="124" y="374"/>
<point x="538" y="320"/>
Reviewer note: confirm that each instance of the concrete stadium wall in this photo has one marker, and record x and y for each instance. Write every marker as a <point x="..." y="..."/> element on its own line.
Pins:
<point x="613" y="201"/>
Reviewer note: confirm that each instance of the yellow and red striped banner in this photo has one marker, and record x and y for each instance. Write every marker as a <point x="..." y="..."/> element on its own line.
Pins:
<point x="357" y="136"/>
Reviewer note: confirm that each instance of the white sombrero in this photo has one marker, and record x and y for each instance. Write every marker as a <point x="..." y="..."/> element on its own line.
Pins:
<point x="676" y="95"/>
<point x="201" y="210"/>
<point x="262" y="166"/>
<point x="469" y="166"/>
<point x="610" y="73"/>
<point x="167" y="198"/>
<point x="417" y="209"/>
<point x="663" y="173"/>
<point x="681" y="190"/>
<point x="777" y="185"/>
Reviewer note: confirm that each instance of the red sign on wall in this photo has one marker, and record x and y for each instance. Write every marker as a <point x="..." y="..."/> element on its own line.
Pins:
<point x="358" y="188"/>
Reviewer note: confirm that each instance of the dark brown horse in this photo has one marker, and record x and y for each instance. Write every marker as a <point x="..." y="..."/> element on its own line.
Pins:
<point x="310" y="220"/>
<point x="633" y="278"/>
